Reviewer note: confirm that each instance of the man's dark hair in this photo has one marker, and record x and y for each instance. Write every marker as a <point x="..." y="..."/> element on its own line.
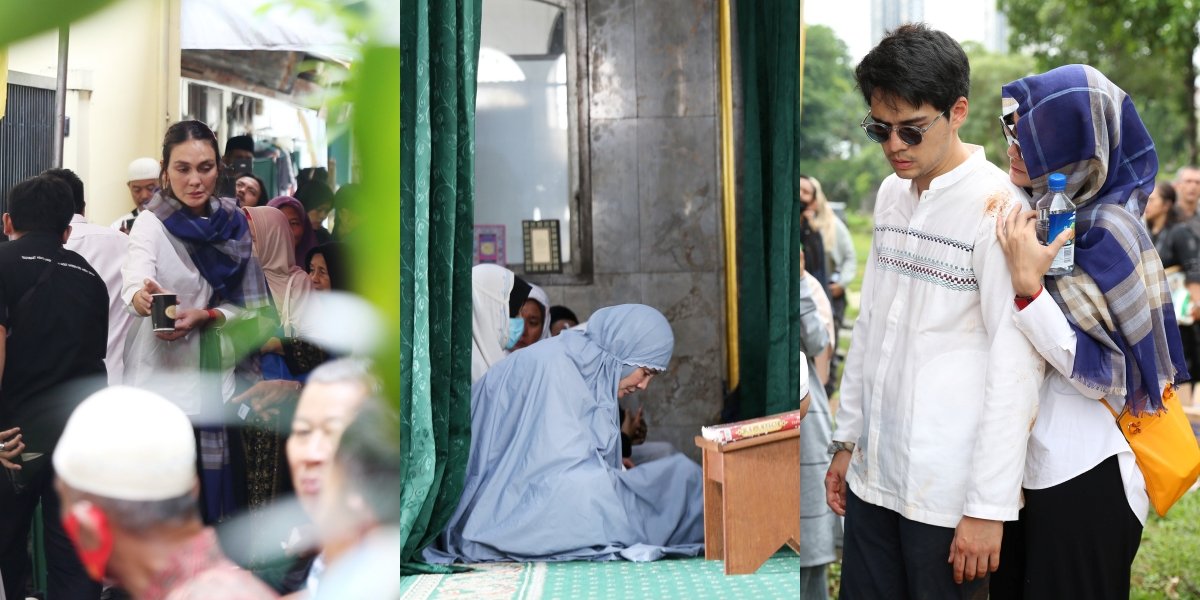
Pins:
<point x="348" y="196"/>
<point x="239" y="142"/>
<point x="41" y="204"/>
<point x="918" y="65"/>
<point x="313" y="194"/>
<point x="74" y="182"/>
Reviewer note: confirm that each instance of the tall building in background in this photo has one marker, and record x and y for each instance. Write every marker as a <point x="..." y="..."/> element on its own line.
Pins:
<point x="995" y="28"/>
<point x="888" y="14"/>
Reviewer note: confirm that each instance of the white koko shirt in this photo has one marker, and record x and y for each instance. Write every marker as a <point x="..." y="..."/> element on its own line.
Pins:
<point x="940" y="388"/>
<point x="105" y="250"/>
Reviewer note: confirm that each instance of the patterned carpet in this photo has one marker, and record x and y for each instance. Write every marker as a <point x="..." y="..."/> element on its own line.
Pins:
<point x="689" y="579"/>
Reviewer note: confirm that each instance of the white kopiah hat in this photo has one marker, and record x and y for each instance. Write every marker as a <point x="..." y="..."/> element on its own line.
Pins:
<point x="127" y="443"/>
<point x="143" y="168"/>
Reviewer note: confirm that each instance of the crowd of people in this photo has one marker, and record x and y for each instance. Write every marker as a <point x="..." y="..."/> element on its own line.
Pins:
<point x="973" y="449"/>
<point x="217" y="417"/>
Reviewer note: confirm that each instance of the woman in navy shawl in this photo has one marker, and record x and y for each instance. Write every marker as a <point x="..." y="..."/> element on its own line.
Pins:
<point x="545" y="481"/>
<point x="1085" y="498"/>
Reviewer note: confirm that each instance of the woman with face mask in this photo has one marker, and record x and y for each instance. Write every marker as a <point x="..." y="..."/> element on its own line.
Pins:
<point x="496" y="324"/>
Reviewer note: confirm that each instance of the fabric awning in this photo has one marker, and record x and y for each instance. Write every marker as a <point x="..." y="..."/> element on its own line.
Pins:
<point x="238" y="25"/>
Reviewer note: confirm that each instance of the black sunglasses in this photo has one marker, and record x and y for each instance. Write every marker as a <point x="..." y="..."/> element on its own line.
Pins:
<point x="909" y="134"/>
<point x="1010" y="134"/>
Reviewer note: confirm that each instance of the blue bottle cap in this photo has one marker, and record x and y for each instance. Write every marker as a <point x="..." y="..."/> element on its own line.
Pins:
<point x="1058" y="182"/>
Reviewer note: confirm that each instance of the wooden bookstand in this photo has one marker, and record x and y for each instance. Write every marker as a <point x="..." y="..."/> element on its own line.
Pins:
<point x="751" y="499"/>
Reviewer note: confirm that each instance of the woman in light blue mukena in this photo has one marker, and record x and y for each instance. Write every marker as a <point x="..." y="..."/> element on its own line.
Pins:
<point x="545" y="480"/>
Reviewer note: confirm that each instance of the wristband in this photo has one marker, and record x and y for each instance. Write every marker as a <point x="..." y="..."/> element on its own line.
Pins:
<point x="212" y="315"/>
<point x="1023" y="301"/>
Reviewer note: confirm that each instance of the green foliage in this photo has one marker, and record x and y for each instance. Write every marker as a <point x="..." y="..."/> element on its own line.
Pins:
<point x="1168" y="561"/>
<point x="19" y="20"/>
<point x="989" y="72"/>
<point x="832" y="146"/>
<point x="1144" y="46"/>
<point x="830" y="106"/>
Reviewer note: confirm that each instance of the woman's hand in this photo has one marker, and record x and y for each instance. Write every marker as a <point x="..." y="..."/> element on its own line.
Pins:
<point x="266" y="396"/>
<point x="11" y="447"/>
<point x="142" y="299"/>
<point x="634" y="427"/>
<point x="1028" y="259"/>
<point x="186" y="320"/>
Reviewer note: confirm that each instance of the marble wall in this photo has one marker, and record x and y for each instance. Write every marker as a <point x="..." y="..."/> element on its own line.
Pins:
<point x="654" y="138"/>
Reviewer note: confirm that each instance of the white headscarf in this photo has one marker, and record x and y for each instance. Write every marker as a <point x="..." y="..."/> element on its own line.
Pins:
<point x="490" y="287"/>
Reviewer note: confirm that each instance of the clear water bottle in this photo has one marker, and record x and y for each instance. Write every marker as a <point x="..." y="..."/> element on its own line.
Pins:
<point x="1056" y="213"/>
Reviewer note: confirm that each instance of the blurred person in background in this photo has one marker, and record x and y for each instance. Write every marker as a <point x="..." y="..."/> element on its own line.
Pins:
<point x="105" y="250"/>
<point x="326" y="266"/>
<point x="1179" y="248"/>
<point x="317" y="199"/>
<point x="142" y="183"/>
<point x="248" y="189"/>
<point x="127" y="479"/>
<point x="303" y="236"/>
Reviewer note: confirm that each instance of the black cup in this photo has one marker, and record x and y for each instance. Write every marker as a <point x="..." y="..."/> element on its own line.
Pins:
<point x="162" y="311"/>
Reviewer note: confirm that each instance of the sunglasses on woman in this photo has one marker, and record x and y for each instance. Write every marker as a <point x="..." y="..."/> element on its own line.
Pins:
<point x="1007" y="128"/>
<point x="909" y="134"/>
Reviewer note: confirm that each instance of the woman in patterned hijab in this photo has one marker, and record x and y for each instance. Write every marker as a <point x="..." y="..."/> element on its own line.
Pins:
<point x="1107" y="329"/>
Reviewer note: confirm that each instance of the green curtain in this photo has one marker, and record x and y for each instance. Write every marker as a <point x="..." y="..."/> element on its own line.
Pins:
<point x="439" y="50"/>
<point x="768" y="218"/>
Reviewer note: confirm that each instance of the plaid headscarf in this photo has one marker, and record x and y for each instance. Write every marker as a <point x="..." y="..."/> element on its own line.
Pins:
<point x="1074" y="121"/>
<point x="219" y="245"/>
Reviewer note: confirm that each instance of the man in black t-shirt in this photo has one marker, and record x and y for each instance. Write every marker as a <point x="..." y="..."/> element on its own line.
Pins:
<point x="53" y="338"/>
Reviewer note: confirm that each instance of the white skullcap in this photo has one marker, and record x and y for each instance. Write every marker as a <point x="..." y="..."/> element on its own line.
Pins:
<point x="127" y="443"/>
<point x="143" y="168"/>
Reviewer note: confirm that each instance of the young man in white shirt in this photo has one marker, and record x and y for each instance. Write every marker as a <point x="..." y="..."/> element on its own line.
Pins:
<point x="940" y="388"/>
<point x="104" y="249"/>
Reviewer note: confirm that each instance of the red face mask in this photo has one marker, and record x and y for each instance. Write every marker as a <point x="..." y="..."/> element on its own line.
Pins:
<point x="94" y="559"/>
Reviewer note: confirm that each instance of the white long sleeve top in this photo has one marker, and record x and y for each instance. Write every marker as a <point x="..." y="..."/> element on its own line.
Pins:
<point x="940" y="388"/>
<point x="105" y="250"/>
<point x="169" y="368"/>
<point x="1074" y="432"/>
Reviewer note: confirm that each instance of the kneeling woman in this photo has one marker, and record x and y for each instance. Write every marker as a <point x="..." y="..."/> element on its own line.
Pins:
<point x="544" y="480"/>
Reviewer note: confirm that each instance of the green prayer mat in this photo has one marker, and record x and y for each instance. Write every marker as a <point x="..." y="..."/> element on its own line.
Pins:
<point x="690" y="578"/>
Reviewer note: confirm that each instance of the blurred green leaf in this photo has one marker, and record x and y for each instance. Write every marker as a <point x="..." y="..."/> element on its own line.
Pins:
<point x="19" y="20"/>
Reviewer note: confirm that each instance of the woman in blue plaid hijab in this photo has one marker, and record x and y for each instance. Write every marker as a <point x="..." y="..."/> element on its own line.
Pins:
<point x="1107" y="329"/>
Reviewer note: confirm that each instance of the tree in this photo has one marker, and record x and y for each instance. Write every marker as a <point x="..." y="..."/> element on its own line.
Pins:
<point x="830" y="101"/>
<point x="831" y="144"/>
<point x="1144" y="46"/>
<point x="989" y="72"/>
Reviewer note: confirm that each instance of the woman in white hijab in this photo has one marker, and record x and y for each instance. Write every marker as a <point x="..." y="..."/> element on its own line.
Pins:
<point x="497" y="295"/>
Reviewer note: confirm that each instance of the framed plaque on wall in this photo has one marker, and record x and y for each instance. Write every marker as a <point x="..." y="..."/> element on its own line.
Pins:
<point x="541" y="242"/>
<point x="489" y="245"/>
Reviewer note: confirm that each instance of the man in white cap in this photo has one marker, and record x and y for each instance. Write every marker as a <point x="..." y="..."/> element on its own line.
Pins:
<point x="143" y="182"/>
<point x="126" y="476"/>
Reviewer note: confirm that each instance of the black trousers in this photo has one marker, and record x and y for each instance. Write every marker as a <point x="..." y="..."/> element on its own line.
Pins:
<point x="65" y="578"/>
<point x="888" y="556"/>
<point x="1074" y="540"/>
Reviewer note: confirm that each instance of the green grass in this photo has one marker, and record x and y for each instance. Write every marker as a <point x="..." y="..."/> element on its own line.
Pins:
<point x="1168" y="563"/>
<point x="1167" y="566"/>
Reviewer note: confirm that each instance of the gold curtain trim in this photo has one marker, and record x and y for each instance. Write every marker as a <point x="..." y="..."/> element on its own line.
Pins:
<point x="729" y="195"/>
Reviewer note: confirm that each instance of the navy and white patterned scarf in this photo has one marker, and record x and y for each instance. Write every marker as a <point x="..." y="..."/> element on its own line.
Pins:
<point x="1074" y="121"/>
<point x="219" y="245"/>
